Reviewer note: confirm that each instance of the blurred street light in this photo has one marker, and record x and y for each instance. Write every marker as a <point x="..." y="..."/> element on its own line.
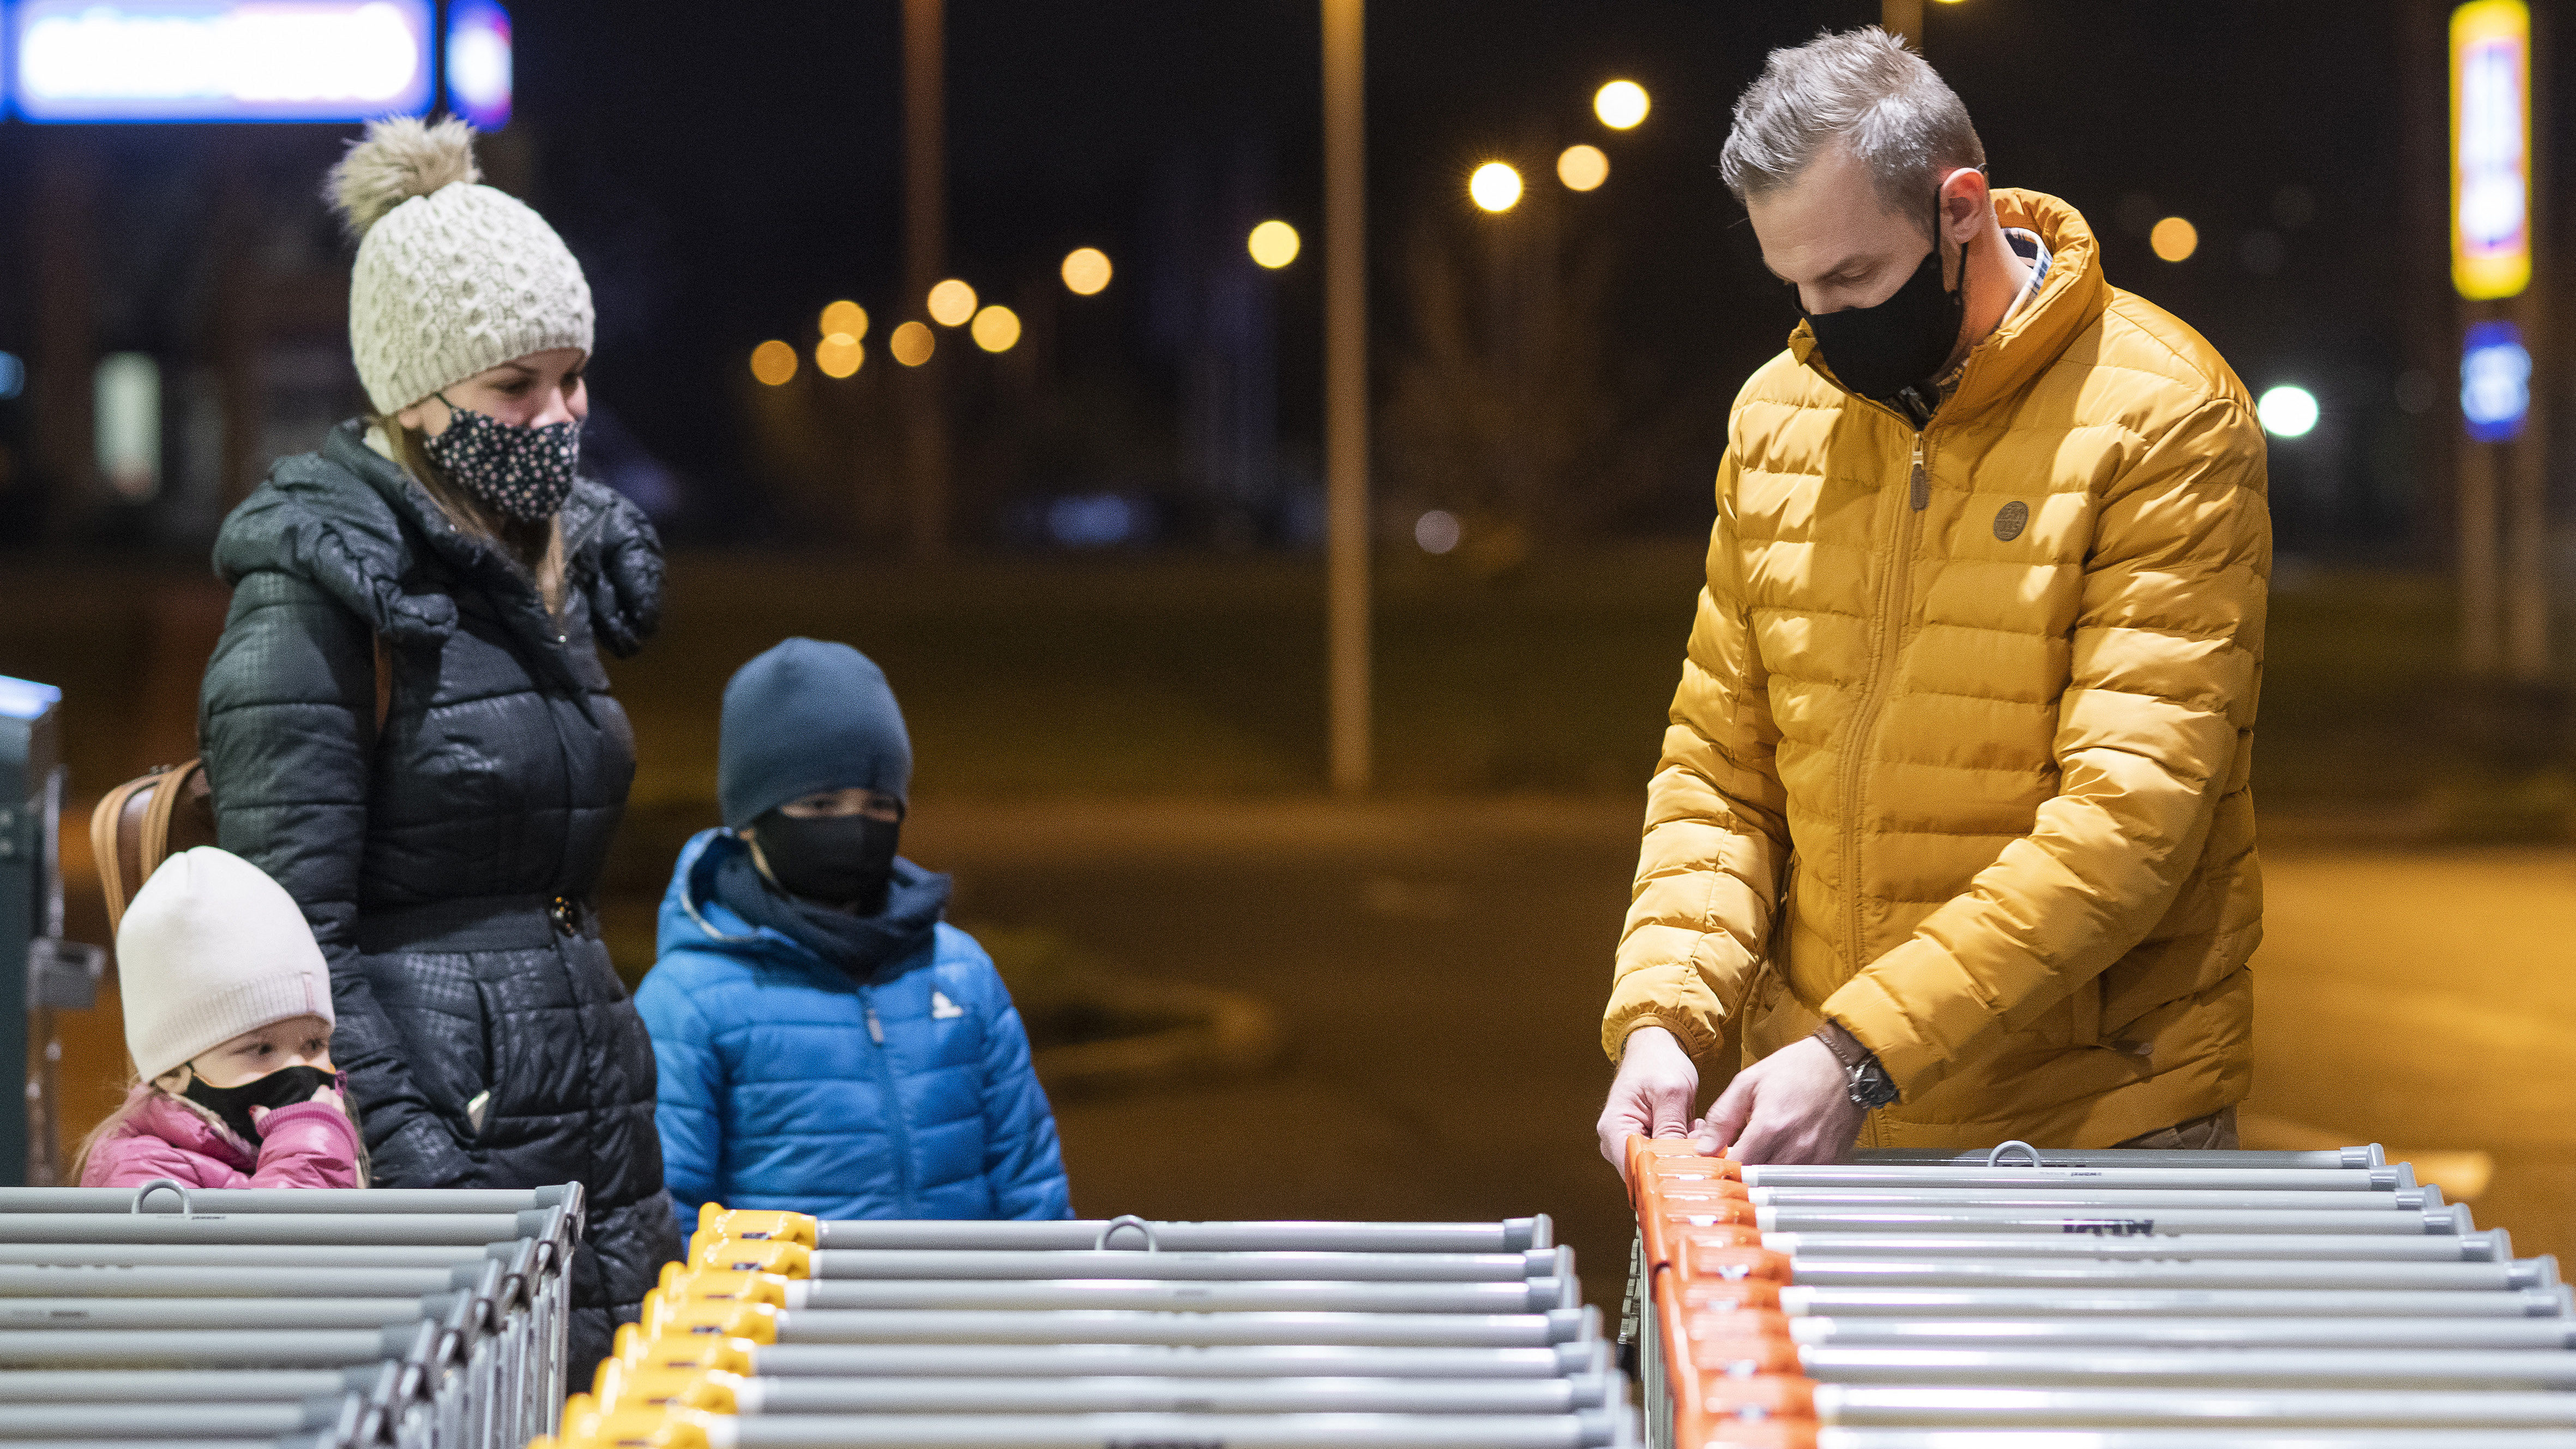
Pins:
<point x="996" y="329"/>
<point x="839" y="355"/>
<point x="2174" y="239"/>
<point x="912" y="344"/>
<point x="952" y="303"/>
<point x="1495" y="186"/>
<point x="1086" y="271"/>
<point x="1274" y="244"/>
<point x="1436" y="531"/>
<point x="846" y="317"/>
<point x="773" y="362"/>
<point x="1621" y="104"/>
<point x="1583" y="168"/>
<point x="2287" y="411"/>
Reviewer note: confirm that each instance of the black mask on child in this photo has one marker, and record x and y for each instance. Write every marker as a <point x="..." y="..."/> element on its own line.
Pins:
<point x="281" y="1088"/>
<point x="843" y="861"/>
<point x="1880" y="351"/>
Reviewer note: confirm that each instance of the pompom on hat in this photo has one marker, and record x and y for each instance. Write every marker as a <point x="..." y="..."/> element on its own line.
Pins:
<point x="452" y="276"/>
<point x="211" y="948"/>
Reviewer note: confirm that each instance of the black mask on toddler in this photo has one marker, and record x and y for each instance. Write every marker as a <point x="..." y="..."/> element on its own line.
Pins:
<point x="281" y="1088"/>
<point x="842" y="861"/>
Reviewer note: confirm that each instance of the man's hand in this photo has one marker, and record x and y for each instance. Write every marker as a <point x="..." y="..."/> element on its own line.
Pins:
<point x="1792" y="1106"/>
<point x="1652" y="1096"/>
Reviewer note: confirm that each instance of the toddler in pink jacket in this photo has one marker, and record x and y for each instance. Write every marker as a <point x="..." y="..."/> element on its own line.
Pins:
<point x="228" y="1016"/>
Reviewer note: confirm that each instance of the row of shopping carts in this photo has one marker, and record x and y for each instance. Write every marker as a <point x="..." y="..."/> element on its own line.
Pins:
<point x="2020" y="1299"/>
<point x="312" y="1318"/>
<point x="781" y="1331"/>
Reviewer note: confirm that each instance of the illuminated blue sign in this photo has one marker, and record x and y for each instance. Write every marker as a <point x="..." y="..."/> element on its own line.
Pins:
<point x="2495" y="382"/>
<point x="478" y="63"/>
<point x="218" y="60"/>
<point x="26" y="699"/>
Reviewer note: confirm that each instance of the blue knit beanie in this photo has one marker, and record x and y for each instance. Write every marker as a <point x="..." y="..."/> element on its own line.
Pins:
<point x="804" y="717"/>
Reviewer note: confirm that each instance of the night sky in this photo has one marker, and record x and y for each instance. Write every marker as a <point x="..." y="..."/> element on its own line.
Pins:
<point x="724" y="170"/>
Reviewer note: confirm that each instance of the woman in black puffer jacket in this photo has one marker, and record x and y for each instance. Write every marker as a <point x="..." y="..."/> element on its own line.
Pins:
<point x="442" y="552"/>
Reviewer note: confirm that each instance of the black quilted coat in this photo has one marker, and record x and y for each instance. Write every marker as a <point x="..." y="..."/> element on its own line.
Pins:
<point x="446" y="866"/>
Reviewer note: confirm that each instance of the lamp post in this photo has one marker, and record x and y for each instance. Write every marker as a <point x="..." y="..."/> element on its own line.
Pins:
<point x="925" y="249"/>
<point x="1346" y="423"/>
<point x="1903" y="19"/>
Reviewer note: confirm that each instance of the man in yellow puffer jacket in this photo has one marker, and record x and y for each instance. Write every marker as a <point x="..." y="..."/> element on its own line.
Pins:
<point x="1952" y="820"/>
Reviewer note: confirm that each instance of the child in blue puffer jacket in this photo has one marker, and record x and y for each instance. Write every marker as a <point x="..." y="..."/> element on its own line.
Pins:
<point x="826" y="1043"/>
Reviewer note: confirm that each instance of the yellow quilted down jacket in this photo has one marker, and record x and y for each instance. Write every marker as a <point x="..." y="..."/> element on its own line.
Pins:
<point x="1978" y="703"/>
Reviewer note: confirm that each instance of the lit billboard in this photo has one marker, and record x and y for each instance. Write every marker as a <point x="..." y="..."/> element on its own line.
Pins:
<point x="478" y="63"/>
<point x="218" y="60"/>
<point x="2491" y="149"/>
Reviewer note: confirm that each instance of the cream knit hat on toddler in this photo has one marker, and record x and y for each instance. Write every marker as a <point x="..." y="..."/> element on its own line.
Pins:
<point x="211" y="948"/>
<point x="452" y="276"/>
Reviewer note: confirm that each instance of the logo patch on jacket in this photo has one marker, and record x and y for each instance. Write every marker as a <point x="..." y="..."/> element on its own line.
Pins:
<point x="941" y="1008"/>
<point x="2011" y="519"/>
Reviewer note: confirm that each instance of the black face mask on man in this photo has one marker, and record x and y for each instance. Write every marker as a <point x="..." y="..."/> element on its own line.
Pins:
<point x="843" y="861"/>
<point x="1902" y="342"/>
<point x="281" y="1088"/>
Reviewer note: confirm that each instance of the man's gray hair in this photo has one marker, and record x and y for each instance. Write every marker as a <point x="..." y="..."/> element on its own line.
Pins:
<point x="1861" y="88"/>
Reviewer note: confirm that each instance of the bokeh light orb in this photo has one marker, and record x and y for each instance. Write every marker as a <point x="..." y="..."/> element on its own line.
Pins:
<point x="2287" y="411"/>
<point x="1495" y="186"/>
<point x="773" y="362"/>
<point x="912" y="344"/>
<point x="839" y="355"/>
<point x="1086" y="271"/>
<point x="1437" y="531"/>
<point x="1274" y="244"/>
<point x="847" y="318"/>
<point x="2173" y="239"/>
<point x="996" y="329"/>
<point x="1621" y="104"/>
<point x="1583" y="168"/>
<point x="952" y="303"/>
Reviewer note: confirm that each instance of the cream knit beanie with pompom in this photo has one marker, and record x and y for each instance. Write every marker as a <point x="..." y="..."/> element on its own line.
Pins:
<point x="211" y="948"/>
<point x="452" y="276"/>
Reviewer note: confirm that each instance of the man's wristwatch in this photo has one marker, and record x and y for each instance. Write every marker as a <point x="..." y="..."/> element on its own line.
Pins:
<point x="1869" y="1083"/>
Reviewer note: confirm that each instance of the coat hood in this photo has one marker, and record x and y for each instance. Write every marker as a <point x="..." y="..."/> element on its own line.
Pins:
<point x="2008" y="359"/>
<point x="354" y="523"/>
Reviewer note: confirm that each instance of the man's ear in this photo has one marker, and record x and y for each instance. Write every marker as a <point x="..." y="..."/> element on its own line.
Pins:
<point x="1966" y="202"/>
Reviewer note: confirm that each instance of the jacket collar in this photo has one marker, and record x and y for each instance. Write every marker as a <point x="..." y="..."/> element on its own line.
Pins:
<point x="185" y="1125"/>
<point x="2010" y="358"/>
<point x="695" y="904"/>
<point x="355" y="524"/>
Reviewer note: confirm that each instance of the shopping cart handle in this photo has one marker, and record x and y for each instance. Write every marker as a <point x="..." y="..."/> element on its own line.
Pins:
<point x="1110" y="1229"/>
<point x="1995" y="1158"/>
<point x="187" y="1209"/>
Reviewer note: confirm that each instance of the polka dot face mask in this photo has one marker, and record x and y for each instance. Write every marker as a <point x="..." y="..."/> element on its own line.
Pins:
<point x="519" y="472"/>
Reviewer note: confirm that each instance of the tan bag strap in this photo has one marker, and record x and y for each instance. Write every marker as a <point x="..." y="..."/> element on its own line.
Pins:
<point x="103" y="847"/>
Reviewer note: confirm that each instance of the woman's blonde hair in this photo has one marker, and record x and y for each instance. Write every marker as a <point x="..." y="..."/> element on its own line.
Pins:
<point x="536" y="547"/>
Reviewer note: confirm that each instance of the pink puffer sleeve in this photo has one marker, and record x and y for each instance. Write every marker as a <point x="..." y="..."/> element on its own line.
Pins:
<point x="311" y="1144"/>
<point x="138" y="1158"/>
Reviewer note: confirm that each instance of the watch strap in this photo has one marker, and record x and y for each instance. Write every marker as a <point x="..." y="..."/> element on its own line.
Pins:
<point x="1845" y="1046"/>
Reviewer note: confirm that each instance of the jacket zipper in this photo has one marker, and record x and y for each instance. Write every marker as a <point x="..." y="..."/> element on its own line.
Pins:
<point x="1895" y="588"/>
<point x="894" y="1102"/>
